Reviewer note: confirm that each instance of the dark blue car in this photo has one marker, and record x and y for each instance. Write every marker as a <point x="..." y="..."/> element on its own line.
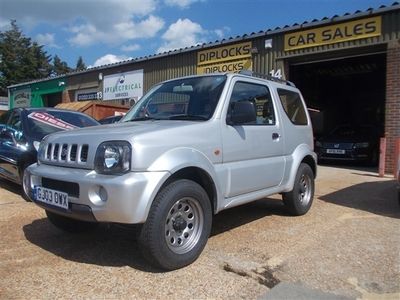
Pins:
<point x="22" y="129"/>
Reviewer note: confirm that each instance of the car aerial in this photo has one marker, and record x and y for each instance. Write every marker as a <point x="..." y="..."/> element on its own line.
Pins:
<point x="111" y="119"/>
<point x="22" y="129"/>
<point x="190" y="148"/>
<point x="357" y="143"/>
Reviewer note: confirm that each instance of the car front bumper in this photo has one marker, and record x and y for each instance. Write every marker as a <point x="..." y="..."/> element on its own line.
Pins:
<point x="95" y="197"/>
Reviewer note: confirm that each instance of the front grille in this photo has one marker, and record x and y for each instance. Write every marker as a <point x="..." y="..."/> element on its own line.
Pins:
<point x="71" y="188"/>
<point x="66" y="153"/>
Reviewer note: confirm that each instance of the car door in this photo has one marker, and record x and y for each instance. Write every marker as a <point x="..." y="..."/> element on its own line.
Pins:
<point x="10" y="149"/>
<point x="253" y="153"/>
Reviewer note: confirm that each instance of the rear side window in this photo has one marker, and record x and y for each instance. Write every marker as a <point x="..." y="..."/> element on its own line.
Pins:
<point x="293" y="106"/>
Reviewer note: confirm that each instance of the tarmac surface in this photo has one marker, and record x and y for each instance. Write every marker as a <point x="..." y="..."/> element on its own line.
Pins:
<point x="346" y="247"/>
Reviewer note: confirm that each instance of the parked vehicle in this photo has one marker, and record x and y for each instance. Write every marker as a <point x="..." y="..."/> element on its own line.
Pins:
<point x="190" y="148"/>
<point x="111" y="119"/>
<point x="358" y="143"/>
<point x="21" y="131"/>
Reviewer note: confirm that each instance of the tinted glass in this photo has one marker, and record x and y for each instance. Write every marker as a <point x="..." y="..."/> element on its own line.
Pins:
<point x="182" y="99"/>
<point x="41" y="123"/>
<point x="260" y="96"/>
<point x="293" y="106"/>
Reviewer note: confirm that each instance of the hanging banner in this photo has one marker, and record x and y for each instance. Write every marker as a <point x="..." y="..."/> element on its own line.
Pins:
<point x="127" y="85"/>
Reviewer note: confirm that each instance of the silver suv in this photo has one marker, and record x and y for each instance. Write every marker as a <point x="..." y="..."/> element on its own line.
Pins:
<point x="190" y="148"/>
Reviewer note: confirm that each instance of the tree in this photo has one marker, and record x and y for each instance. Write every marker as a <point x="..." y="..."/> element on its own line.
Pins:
<point x="80" y="65"/>
<point x="21" y="59"/>
<point x="60" y="67"/>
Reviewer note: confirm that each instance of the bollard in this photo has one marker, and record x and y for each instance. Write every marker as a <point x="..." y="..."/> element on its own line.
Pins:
<point x="382" y="156"/>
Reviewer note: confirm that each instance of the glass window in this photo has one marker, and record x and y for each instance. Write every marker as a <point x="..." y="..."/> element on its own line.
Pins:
<point x="15" y="121"/>
<point x="293" y="106"/>
<point x="261" y="98"/>
<point x="183" y="99"/>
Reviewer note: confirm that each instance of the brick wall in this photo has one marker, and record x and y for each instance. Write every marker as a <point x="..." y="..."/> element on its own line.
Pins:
<point x="392" y="114"/>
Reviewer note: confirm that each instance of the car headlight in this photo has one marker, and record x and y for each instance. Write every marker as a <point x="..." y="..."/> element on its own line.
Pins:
<point x="113" y="157"/>
<point x="361" y="145"/>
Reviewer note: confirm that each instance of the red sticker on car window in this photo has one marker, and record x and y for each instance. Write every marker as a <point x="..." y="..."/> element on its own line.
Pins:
<point x="51" y="120"/>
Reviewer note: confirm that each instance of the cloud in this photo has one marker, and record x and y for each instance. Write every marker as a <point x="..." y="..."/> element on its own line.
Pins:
<point x="118" y="33"/>
<point x="181" y="3"/>
<point x="181" y="34"/>
<point x="46" y="39"/>
<point x="129" y="48"/>
<point x="89" y="21"/>
<point x="109" y="59"/>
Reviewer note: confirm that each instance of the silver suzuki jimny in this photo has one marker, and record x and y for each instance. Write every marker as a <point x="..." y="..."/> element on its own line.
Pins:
<point x="190" y="148"/>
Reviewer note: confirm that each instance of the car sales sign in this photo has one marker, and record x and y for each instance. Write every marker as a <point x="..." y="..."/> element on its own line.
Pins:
<point x="128" y="85"/>
<point x="342" y="32"/>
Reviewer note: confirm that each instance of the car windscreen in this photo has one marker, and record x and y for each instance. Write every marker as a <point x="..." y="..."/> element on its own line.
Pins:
<point x="193" y="98"/>
<point x="42" y="123"/>
<point x="351" y="131"/>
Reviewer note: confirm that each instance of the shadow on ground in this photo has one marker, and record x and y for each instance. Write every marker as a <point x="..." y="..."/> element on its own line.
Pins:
<point x="10" y="186"/>
<point x="116" y="245"/>
<point x="378" y="197"/>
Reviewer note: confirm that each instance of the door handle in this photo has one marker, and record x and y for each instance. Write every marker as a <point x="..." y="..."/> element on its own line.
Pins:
<point x="275" y="136"/>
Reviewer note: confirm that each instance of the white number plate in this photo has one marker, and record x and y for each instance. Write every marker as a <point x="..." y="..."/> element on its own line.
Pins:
<point x="51" y="197"/>
<point x="335" y="151"/>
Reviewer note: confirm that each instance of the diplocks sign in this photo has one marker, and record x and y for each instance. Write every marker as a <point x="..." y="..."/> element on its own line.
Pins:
<point x="343" y="32"/>
<point x="123" y="85"/>
<point x="231" y="59"/>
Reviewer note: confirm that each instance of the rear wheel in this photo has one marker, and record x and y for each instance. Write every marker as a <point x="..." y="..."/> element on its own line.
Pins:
<point x="68" y="224"/>
<point x="178" y="225"/>
<point x="299" y="200"/>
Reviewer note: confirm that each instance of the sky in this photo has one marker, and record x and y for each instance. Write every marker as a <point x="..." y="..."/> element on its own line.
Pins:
<point x="108" y="31"/>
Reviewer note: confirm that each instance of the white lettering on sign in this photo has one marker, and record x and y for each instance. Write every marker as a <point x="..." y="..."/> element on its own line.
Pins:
<point x="50" y="120"/>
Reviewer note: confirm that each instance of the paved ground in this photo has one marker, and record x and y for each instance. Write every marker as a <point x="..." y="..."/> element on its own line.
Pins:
<point x="348" y="245"/>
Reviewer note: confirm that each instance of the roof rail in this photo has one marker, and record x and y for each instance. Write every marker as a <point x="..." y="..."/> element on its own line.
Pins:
<point x="265" y="76"/>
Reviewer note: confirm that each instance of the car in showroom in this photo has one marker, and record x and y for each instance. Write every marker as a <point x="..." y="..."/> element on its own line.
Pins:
<point x="22" y="129"/>
<point x="357" y="143"/>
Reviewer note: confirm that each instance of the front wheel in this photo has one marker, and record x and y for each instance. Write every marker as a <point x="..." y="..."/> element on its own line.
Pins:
<point x="25" y="184"/>
<point x="178" y="225"/>
<point x="299" y="200"/>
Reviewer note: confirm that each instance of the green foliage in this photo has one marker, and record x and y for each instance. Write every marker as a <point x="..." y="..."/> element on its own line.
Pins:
<point x="60" y="67"/>
<point x="80" y="65"/>
<point x="21" y="59"/>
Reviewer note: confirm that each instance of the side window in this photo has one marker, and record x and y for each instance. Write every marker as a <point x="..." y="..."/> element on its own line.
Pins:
<point x="261" y="98"/>
<point x="293" y="106"/>
<point x="15" y="121"/>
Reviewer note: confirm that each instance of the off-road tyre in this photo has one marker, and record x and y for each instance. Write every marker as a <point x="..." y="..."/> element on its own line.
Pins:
<point x="178" y="225"/>
<point x="299" y="200"/>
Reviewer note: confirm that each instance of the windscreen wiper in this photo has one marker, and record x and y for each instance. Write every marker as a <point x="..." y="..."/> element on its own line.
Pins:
<point x="188" y="117"/>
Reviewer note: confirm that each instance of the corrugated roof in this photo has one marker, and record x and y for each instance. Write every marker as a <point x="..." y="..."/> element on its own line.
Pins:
<point x="306" y="24"/>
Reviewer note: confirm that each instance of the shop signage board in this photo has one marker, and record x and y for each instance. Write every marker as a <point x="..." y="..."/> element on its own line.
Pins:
<point x="343" y="32"/>
<point x="232" y="58"/>
<point x="127" y="85"/>
<point x="22" y="98"/>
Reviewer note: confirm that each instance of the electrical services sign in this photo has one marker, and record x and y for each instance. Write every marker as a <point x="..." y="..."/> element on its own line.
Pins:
<point x="231" y="59"/>
<point x="343" y="32"/>
<point x="128" y="85"/>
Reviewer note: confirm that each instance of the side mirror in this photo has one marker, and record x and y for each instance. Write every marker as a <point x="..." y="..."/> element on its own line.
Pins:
<point x="242" y="112"/>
